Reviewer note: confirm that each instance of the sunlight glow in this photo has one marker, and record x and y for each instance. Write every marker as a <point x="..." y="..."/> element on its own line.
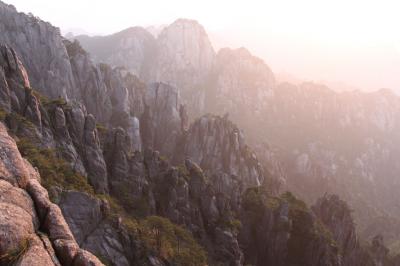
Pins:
<point x="313" y="39"/>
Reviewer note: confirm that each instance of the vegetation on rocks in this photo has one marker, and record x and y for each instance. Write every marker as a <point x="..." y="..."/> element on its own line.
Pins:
<point x="171" y="242"/>
<point x="101" y="128"/>
<point x="160" y="237"/>
<point x="11" y="257"/>
<point x="291" y="215"/>
<point x="20" y="120"/>
<point x="53" y="170"/>
<point x="305" y="229"/>
<point x="3" y="114"/>
<point x="54" y="102"/>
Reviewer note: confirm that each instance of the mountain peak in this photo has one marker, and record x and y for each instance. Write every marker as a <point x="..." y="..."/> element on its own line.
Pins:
<point x="132" y="31"/>
<point x="187" y="21"/>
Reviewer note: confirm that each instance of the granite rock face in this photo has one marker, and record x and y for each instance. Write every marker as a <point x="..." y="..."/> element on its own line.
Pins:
<point x="132" y="49"/>
<point x="25" y="208"/>
<point x="87" y="217"/>
<point x="47" y="62"/>
<point x="90" y="87"/>
<point x="184" y="47"/>
<point x="335" y="214"/>
<point x="242" y="80"/>
<point x="283" y="231"/>
<point x="163" y="120"/>
<point x="185" y="60"/>
<point x="218" y="146"/>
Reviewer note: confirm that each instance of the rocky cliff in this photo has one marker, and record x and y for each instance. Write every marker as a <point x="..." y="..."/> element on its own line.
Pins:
<point x="322" y="140"/>
<point x="47" y="62"/>
<point x="336" y="215"/>
<point x="137" y="183"/>
<point x="132" y="48"/>
<point x="33" y="229"/>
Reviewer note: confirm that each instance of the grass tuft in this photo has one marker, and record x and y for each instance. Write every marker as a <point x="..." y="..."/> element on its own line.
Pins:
<point x="12" y="256"/>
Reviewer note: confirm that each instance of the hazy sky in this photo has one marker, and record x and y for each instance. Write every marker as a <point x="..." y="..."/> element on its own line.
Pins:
<point x="356" y="42"/>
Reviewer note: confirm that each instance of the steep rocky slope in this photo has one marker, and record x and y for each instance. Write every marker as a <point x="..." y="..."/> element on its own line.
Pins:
<point x="241" y="80"/>
<point x="335" y="214"/>
<point x="47" y="62"/>
<point x="33" y="229"/>
<point x="322" y="140"/>
<point x="132" y="48"/>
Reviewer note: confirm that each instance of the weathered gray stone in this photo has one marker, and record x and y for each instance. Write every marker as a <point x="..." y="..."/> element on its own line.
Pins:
<point x="82" y="212"/>
<point x="47" y="62"/>
<point x="94" y="161"/>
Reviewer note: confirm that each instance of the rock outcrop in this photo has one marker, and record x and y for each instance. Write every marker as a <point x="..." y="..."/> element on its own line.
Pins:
<point x="185" y="59"/>
<point x="164" y="119"/>
<point x="91" y="88"/>
<point x="283" y="231"/>
<point x="26" y="209"/>
<point x="335" y="214"/>
<point x="218" y="146"/>
<point x="47" y="62"/>
<point x="133" y="48"/>
<point x="243" y="85"/>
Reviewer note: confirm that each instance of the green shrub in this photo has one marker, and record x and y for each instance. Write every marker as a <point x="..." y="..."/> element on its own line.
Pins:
<point x="39" y="96"/>
<point x="20" y="120"/>
<point x="54" y="171"/>
<point x="183" y="171"/>
<point x="171" y="242"/>
<point x="305" y="230"/>
<point x="233" y="225"/>
<point x="101" y="128"/>
<point x="163" y="158"/>
<point x="53" y="102"/>
<point x="3" y="114"/>
<point x="253" y="200"/>
<point x="294" y="203"/>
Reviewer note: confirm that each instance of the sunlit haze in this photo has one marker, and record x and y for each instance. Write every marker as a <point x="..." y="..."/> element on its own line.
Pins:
<point x="356" y="43"/>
